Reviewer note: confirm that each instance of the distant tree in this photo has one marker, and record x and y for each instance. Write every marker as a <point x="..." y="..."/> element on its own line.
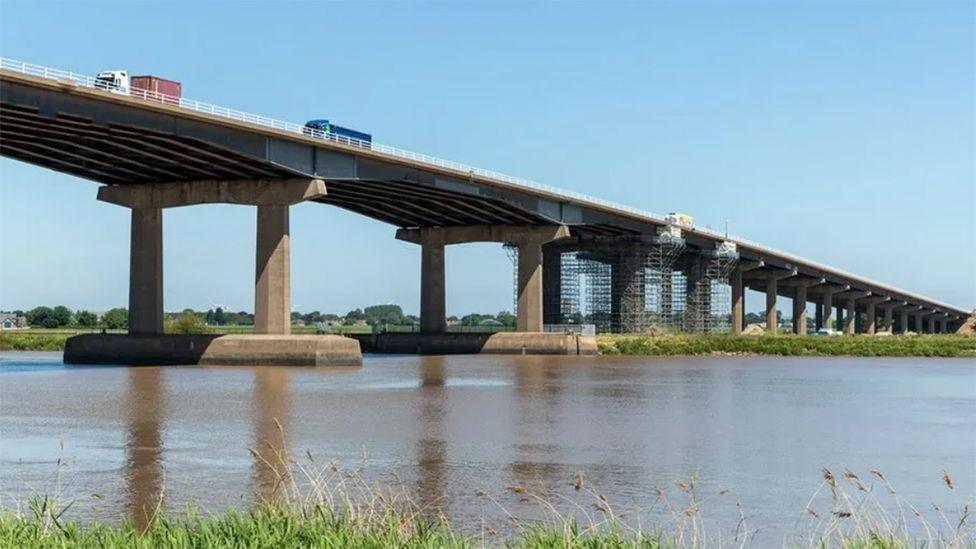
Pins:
<point x="312" y="317"/>
<point x="377" y="315"/>
<point x="219" y="317"/>
<point x="187" y="323"/>
<point x="452" y="318"/>
<point x="61" y="315"/>
<point x="37" y="315"/>
<point x="355" y="315"/>
<point x="116" y="319"/>
<point x="411" y="320"/>
<point x="474" y="319"/>
<point x="86" y="319"/>
<point x="506" y="318"/>
<point x="329" y="317"/>
<point x="753" y="318"/>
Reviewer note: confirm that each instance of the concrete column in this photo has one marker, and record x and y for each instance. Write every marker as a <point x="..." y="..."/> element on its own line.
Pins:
<point x="529" y="316"/>
<point x="839" y="324"/>
<point x="627" y="292"/>
<point x="931" y="324"/>
<point x="903" y="320"/>
<point x="800" y="310"/>
<point x="552" y="280"/>
<point x="888" y="320"/>
<point x="272" y="287"/>
<point x="828" y="311"/>
<point x="818" y="316"/>
<point x="918" y="323"/>
<point x="146" y="271"/>
<point x="433" y="308"/>
<point x="869" y="326"/>
<point x="771" y="285"/>
<point x="738" y="301"/>
<point x="851" y="318"/>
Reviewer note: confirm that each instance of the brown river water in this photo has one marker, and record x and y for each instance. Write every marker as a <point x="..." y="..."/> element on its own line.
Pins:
<point x="477" y="437"/>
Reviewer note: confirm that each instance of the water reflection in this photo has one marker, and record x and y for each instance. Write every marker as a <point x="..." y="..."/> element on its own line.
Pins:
<point x="271" y="420"/>
<point x="145" y="409"/>
<point x="431" y="445"/>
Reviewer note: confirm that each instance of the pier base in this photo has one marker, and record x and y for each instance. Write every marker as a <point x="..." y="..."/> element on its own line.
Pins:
<point x="502" y="343"/>
<point x="213" y="350"/>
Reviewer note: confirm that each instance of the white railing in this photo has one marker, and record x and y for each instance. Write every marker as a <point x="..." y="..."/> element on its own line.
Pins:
<point x="71" y="78"/>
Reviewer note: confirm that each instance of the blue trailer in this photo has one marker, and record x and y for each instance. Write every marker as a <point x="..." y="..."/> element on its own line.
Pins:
<point x="338" y="133"/>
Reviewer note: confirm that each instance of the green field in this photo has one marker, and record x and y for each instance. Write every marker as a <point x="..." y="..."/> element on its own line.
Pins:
<point x="789" y="345"/>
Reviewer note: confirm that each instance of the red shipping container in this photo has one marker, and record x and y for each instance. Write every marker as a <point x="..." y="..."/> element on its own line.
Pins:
<point x="155" y="88"/>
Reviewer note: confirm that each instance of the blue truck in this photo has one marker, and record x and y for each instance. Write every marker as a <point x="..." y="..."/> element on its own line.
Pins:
<point x="338" y="133"/>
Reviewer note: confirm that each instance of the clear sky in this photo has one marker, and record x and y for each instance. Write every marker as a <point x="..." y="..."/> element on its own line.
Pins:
<point x="842" y="132"/>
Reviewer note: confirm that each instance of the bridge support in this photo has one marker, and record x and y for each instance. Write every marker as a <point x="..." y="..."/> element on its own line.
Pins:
<point x="918" y="323"/>
<point x="272" y="280"/>
<point x="552" y="279"/>
<point x="738" y="293"/>
<point x="146" y="271"/>
<point x="772" y="279"/>
<point x="827" y="291"/>
<point x="850" y="318"/>
<point x="800" y="298"/>
<point x="628" y="292"/>
<point x="888" y="324"/>
<point x="870" y="316"/>
<point x="529" y="240"/>
<point x="272" y="289"/>
<point x="433" y="300"/>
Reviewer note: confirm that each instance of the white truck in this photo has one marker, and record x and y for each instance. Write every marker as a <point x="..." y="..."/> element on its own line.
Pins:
<point x="114" y="81"/>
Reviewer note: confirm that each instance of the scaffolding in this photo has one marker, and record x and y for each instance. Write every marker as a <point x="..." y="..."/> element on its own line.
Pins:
<point x="645" y="286"/>
<point x="708" y="294"/>
<point x="511" y="250"/>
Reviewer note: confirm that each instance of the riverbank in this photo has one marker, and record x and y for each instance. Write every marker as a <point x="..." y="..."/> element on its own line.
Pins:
<point x="789" y="345"/>
<point x="679" y="345"/>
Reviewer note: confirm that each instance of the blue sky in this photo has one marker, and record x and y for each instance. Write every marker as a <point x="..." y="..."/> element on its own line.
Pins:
<point x="842" y="132"/>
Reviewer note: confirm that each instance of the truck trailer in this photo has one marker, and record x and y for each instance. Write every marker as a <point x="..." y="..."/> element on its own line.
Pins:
<point x="155" y="88"/>
<point x="148" y="87"/>
<point x="337" y="133"/>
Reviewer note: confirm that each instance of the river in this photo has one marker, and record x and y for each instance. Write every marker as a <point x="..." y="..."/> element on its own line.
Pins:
<point x="479" y="436"/>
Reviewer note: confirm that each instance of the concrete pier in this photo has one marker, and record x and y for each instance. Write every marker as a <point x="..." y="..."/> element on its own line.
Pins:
<point x="529" y="313"/>
<point x="552" y="310"/>
<point x="272" y="285"/>
<point x="627" y="292"/>
<point x="529" y="240"/>
<point x="433" y="305"/>
<point x="800" y="310"/>
<point x="738" y="293"/>
<point x="213" y="350"/>
<point x="146" y="343"/>
<point x="146" y="271"/>
<point x="503" y="343"/>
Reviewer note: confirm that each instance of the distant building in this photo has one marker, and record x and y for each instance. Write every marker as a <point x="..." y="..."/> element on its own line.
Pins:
<point x="10" y="321"/>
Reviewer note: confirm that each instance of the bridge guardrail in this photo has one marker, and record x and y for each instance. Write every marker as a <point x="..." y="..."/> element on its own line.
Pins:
<point x="70" y="77"/>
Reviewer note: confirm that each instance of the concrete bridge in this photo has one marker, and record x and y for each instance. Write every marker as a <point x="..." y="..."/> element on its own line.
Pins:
<point x="152" y="152"/>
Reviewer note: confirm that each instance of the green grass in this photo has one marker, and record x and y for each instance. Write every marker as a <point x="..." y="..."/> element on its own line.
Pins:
<point x="787" y="345"/>
<point x="27" y="341"/>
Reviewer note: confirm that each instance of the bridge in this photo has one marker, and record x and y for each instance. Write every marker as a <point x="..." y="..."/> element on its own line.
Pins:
<point x="150" y="152"/>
